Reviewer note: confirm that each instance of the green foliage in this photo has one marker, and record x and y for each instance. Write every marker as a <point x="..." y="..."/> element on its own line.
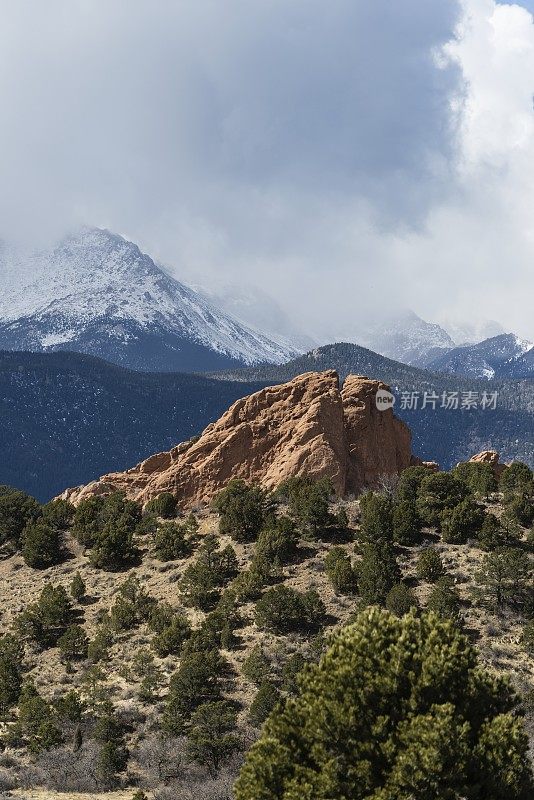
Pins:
<point x="491" y="534"/>
<point x="444" y="600"/>
<point x="216" y="630"/>
<point x="376" y="518"/>
<point x="406" y="523"/>
<point x="98" y="647"/>
<point x="438" y="492"/>
<point x="340" y="572"/>
<point x="163" y="505"/>
<point x="113" y="755"/>
<point x="145" y="668"/>
<point x="77" y="588"/>
<point x="478" y="477"/>
<point x="342" y="518"/>
<point x="172" y="541"/>
<point x="17" y="509"/>
<point x="462" y="522"/>
<point x="70" y="706"/>
<point x="425" y="722"/>
<point x="197" y="680"/>
<point x="132" y="606"/>
<point x="291" y="670"/>
<point x="282" y="609"/>
<point x="377" y="572"/>
<point x="45" y="620"/>
<point x="212" y="569"/>
<point x="277" y="544"/>
<point x="107" y="525"/>
<point x="37" y="721"/>
<point x="113" y="547"/>
<point x="11" y="671"/>
<point x="248" y="584"/>
<point x="169" y="640"/>
<point x="211" y="738"/>
<point x="514" y="477"/>
<point x="256" y="667"/>
<point x="41" y="544"/>
<point x="58" y="513"/>
<point x="73" y="643"/>
<point x="429" y="565"/>
<point x="308" y="502"/>
<point x="400" y="599"/>
<point x="410" y="480"/>
<point x="265" y="700"/>
<point x="504" y="579"/>
<point x="520" y="508"/>
<point x="242" y="510"/>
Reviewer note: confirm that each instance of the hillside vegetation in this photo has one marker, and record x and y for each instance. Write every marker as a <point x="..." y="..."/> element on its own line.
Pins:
<point x="143" y="649"/>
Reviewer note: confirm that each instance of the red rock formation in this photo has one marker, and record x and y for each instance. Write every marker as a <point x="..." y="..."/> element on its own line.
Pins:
<point x="490" y="457"/>
<point x="305" y="427"/>
<point x="378" y="442"/>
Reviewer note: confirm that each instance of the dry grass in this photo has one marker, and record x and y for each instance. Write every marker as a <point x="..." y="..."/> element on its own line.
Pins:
<point x="496" y="637"/>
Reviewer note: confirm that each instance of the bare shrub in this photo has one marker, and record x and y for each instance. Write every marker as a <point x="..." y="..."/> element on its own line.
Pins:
<point x="219" y="788"/>
<point x="7" y="781"/>
<point x="63" y="770"/>
<point x="161" y="760"/>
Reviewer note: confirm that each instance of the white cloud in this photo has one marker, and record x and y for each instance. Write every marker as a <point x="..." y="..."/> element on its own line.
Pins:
<point x="316" y="150"/>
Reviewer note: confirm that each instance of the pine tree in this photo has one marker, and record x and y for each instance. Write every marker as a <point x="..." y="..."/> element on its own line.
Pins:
<point x="77" y="588"/>
<point x="406" y="523"/>
<point x="211" y="738"/>
<point x="429" y="565"/>
<point x="242" y="510"/>
<point x="377" y="572"/>
<point x="265" y="700"/>
<point x="377" y="519"/>
<point x="438" y="492"/>
<point x="425" y="722"/>
<point x="11" y="671"/>
<point x="41" y="545"/>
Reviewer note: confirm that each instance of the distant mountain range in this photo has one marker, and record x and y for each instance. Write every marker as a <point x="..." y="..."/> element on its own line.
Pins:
<point x="504" y="356"/>
<point x="408" y="338"/>
<point x="97" y="293"/>
<point x="68" y="418"/>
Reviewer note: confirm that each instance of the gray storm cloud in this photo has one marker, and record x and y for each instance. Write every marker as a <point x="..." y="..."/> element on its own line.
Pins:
<point x="325" y="152"/>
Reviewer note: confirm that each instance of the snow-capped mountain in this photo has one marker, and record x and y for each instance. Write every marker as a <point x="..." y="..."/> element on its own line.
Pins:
<point x="97" y="293"/>
<point x="253" y="306"/>
<point x="504" y="356"/>
<point x="408" y="338"/>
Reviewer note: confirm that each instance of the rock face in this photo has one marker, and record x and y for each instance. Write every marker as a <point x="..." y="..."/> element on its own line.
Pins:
<point x="490" y="457"/>
<point x="308" y="426"/>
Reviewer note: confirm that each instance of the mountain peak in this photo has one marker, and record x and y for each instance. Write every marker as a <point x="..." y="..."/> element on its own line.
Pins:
<point x="96" y="292"/>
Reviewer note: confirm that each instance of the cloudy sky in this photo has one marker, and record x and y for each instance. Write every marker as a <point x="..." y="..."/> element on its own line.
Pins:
<point x="347" y="157"/>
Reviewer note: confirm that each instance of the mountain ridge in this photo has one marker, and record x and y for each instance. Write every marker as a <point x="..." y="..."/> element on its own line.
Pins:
<point x="502" y="356"/>
<point x="97" y="293"/>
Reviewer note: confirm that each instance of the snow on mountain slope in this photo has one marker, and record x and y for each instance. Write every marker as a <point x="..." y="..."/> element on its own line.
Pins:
<point x="97" y="293"/>
<point x="408" y="338"/>
<point x="505" y="356"/>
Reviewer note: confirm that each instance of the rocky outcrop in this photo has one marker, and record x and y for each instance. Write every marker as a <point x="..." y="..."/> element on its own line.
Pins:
<point x="308" y="426"/>
<point x="490" y="457"/>
<point x="378" y="442"/>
